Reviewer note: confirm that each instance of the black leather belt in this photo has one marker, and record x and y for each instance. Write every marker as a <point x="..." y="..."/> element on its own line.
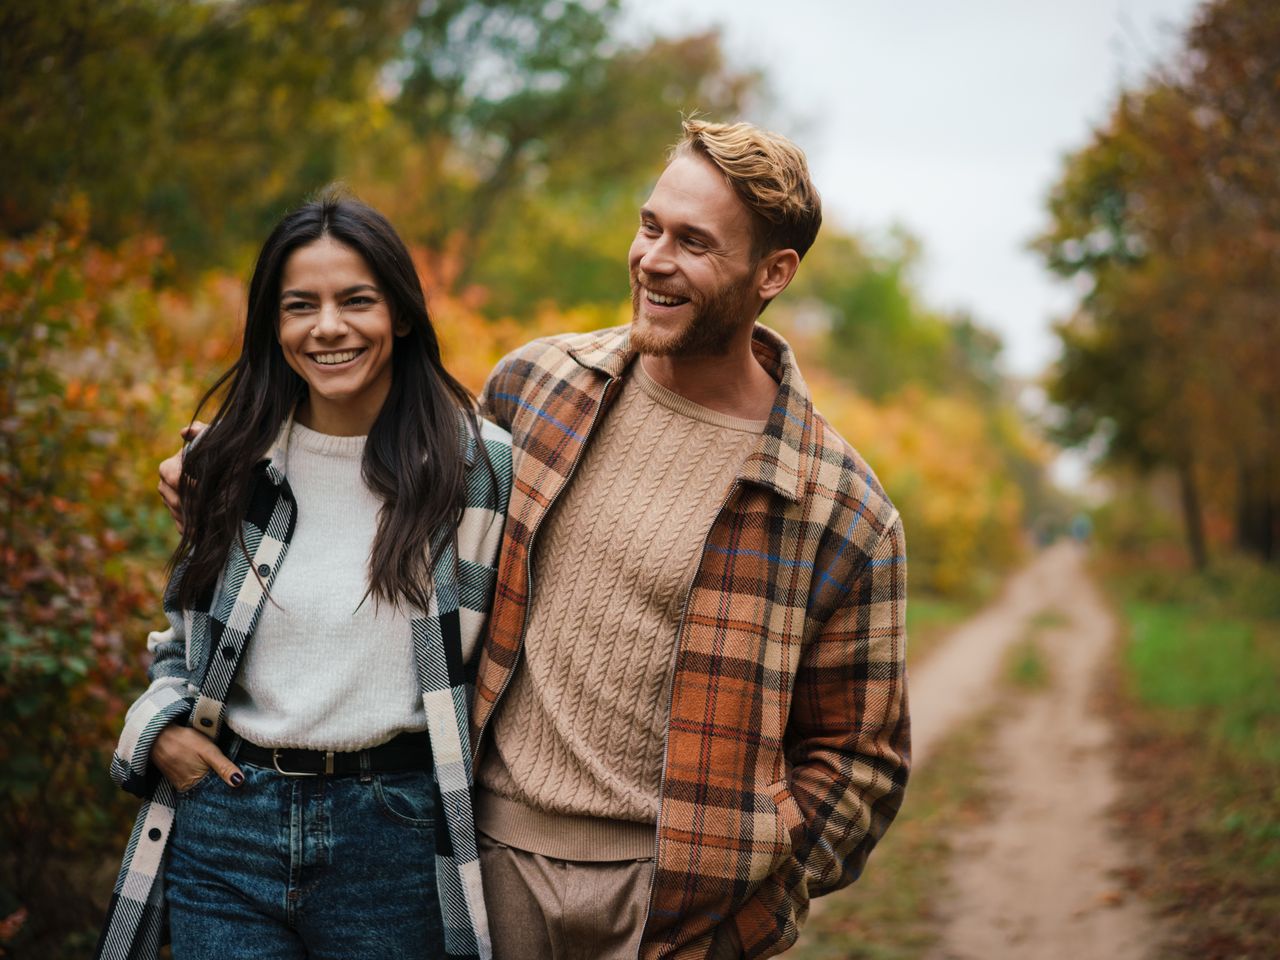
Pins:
<point x="408" y="751"/>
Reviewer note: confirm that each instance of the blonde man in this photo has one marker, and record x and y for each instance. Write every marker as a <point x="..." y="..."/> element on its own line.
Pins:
<point x="691" y="709"/>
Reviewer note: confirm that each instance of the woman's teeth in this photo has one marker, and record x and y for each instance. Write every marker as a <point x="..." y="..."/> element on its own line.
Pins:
<point x="328" y="359"/>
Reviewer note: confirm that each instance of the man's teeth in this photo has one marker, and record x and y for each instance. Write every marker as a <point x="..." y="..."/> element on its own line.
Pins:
<point x="332" y="358"/>
<point x="663" y="300"/>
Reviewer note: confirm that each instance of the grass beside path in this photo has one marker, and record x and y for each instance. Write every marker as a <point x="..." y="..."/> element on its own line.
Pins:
<point x="1198" y="718"/>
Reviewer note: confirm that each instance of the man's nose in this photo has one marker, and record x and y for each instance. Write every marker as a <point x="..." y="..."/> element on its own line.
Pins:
<point x="657" y="257"/>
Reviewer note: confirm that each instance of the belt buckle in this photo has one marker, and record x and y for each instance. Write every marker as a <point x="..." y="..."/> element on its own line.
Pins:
<point x="275" y="762"/>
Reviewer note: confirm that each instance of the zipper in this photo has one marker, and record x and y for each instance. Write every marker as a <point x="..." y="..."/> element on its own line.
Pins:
<point x="671" y="696"/>
<point x="528" y="563"/>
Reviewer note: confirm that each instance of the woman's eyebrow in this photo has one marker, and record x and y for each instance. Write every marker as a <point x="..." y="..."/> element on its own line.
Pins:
<point x="344" y="292"/>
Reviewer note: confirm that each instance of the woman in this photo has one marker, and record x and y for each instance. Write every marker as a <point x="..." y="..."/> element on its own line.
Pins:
<point x="302" y="749"/>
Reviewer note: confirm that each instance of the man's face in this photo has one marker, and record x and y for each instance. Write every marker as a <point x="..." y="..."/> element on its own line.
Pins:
<point x="693" y="272"/>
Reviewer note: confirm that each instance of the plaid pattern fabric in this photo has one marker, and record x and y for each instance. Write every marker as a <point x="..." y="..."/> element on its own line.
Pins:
<point x="788" y="738"/>
<point x="195" y="661"/>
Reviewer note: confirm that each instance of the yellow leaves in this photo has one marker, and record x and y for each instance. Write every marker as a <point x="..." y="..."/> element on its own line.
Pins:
<point x="933" y="455"/>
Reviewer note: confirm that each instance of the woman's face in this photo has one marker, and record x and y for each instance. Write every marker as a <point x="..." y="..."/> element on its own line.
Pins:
<point x="337" y="333"/>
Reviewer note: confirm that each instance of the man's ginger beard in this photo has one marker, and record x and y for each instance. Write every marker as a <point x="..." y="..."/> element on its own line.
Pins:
<point x="708" y="331"/>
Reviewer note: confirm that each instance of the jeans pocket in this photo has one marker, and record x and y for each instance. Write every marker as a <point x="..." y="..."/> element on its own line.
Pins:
<point x="198" y="785"/>
<point x="407" y="798"/>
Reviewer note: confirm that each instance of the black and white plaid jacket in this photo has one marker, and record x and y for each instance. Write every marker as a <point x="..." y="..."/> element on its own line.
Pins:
<point x="189" y="684"/>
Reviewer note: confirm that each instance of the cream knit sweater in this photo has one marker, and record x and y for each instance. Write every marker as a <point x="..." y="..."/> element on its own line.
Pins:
<point x="574" y="766"/>
<point x="324" y="671"/>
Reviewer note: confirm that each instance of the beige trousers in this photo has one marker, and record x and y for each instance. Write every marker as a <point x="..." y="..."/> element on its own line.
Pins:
<point x="543" y="908"/>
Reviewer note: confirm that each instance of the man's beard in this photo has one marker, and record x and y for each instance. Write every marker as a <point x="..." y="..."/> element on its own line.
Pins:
<point x="708" y="331"/>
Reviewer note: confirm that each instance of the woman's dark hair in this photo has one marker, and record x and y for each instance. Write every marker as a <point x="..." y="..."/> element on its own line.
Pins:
<point x="412" y="460"/>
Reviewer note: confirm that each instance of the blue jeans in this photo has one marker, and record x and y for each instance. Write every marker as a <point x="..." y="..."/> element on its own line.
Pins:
<point x="285" y="868"/>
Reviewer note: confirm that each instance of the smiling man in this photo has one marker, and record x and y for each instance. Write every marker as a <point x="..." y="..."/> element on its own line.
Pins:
<point x="691" y="711"/>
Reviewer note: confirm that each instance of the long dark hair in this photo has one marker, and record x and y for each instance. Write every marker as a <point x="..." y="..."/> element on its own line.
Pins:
<point x="412" y="460"/>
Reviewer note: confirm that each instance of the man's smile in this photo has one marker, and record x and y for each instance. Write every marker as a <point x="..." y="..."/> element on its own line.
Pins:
<point x="663" y="299"/>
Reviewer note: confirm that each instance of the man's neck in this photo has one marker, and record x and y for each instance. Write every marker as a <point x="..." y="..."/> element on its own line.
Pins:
<point x="732" y="383"/>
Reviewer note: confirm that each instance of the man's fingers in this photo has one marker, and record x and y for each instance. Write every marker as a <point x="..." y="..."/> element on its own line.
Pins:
<point x="221" y="764"/>
<point x="194" y="430"/>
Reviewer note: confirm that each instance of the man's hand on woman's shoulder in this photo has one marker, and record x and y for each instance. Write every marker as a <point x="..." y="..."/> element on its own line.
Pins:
<point x="171" y="473"/>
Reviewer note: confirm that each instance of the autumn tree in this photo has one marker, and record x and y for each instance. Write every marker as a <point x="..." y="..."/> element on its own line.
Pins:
<point x="1171" y="218"/>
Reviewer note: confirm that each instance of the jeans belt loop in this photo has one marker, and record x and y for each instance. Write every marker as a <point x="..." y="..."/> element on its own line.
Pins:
<point x="366" y="767"/>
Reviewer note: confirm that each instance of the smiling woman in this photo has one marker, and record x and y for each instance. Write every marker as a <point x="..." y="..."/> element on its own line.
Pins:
<point x="345" y="464"/>
<point x="336" y="331"/>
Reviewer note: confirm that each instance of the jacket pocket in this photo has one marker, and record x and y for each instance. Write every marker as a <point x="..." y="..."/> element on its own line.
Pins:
<point x="791" y="823"/>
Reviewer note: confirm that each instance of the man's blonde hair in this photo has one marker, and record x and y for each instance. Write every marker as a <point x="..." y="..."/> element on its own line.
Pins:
<point x="768" y="173"/>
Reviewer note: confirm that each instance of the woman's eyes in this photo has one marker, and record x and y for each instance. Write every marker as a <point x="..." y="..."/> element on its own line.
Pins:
<point x="303" y="306"/>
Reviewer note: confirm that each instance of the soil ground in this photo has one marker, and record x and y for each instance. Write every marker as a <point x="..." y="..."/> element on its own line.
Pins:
<point x="1042" y="878"/>
<point x="1042" y="874"/>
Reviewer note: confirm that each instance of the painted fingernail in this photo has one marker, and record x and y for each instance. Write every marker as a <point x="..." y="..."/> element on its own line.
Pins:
<point x="237" y="778"/>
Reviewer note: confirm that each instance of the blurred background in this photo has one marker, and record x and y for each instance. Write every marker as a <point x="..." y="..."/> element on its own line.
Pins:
<point x="1043" y="306"/>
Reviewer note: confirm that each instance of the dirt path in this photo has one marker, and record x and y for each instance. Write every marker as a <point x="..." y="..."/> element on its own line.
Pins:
<point x="1038" y="881"/>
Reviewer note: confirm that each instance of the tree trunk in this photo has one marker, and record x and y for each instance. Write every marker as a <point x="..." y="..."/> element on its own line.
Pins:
<point x="1256" y="509"/>
<point x="1192" y="518"/>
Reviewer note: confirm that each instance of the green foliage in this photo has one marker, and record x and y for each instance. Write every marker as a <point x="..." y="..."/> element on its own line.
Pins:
<point x="1026" y="666"/>
<point x="1206" y="646"/>
<point x="881" y="338"/>
<point x="163" y="111"/>
<point x="1198" y="725"/>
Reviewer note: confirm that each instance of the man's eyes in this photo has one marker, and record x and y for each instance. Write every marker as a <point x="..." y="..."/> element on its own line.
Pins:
<point x="651" y="229"/>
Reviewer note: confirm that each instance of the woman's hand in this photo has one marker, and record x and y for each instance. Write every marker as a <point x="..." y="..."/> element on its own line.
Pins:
<point x="184" y="756"/>
<point x="171" y="473"/>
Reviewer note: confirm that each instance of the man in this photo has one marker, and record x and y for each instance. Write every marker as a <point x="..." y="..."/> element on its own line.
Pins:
<point x="691" y="708"/>
<point x="690" y="713"/>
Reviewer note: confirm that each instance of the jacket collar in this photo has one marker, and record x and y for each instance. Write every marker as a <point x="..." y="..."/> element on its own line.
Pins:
<point x="777" y="462"/>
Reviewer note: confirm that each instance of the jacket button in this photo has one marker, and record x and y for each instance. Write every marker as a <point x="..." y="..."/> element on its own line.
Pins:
<point x="154" y="833"/>
<point x="206" y="722"/>
<point x="228" y="651"/>
<point x="264" y="570"/>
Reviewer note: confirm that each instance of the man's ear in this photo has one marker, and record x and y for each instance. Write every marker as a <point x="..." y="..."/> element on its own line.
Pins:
<point x="775" y="271"/>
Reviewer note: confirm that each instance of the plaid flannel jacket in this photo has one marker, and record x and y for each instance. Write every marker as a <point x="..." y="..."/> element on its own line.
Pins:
<point x="788" y="738"/>
<point x="197" y="657"/>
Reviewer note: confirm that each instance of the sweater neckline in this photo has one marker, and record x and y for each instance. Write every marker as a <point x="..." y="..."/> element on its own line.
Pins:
<point x="687" y="408"/>
<point x="346" y="448"/>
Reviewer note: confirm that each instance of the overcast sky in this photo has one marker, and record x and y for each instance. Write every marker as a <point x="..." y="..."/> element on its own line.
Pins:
<point x="949" y="118"/>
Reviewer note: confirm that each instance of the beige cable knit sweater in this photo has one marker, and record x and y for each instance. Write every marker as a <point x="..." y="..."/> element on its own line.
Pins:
<point x="574" y="766"/>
